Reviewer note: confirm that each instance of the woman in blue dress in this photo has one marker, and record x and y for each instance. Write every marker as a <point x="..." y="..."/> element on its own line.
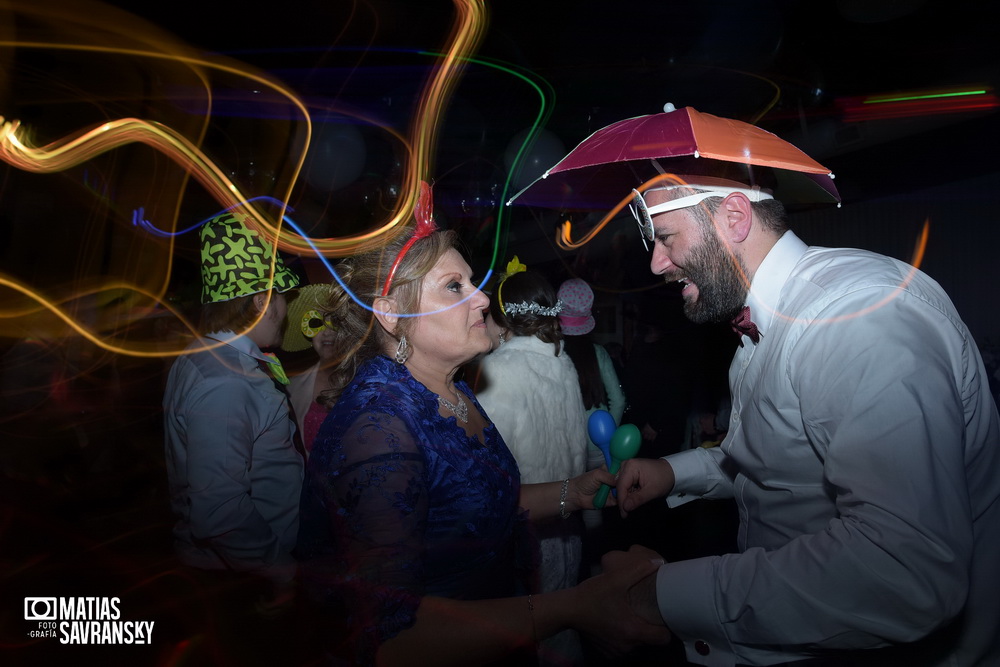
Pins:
<point x="414" y="531"/>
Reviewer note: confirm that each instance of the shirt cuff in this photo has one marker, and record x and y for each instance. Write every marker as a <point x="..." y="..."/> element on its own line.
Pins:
<point x="690" y="468"/>
<point x="685" y="597"/>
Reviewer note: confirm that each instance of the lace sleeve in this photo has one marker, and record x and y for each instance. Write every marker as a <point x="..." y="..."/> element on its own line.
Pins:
<point x="374" y="491"/>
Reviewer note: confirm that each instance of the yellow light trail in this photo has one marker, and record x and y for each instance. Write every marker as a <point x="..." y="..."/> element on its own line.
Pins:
<point x="17" y="149"/>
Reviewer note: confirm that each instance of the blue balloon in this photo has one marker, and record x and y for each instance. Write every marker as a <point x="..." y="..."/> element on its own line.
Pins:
<point x="600" y="427"/>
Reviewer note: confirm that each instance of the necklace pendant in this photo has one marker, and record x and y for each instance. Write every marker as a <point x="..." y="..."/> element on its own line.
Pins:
<point x="461" y="410"/>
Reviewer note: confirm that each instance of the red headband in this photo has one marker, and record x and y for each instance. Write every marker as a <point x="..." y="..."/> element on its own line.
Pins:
<point x="424" y="214"/>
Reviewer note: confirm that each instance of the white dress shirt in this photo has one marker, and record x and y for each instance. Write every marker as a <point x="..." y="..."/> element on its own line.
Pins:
<point x="864" y="455"/>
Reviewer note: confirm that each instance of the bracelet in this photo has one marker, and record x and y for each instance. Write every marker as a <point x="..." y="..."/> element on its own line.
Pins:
<point x="563" y="514"/>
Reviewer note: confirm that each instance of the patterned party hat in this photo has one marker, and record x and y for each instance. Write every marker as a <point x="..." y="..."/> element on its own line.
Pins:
<point x="236" y="261"/>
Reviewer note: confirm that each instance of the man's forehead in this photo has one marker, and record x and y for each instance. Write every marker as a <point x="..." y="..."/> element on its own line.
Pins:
<point x="672" y="222"/>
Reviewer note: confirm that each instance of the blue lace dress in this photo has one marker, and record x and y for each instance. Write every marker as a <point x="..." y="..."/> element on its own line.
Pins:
<point x="399" y="503"/>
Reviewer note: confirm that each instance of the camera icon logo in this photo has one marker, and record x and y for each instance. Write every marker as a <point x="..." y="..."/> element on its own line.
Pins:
<point x="40" y="609"/>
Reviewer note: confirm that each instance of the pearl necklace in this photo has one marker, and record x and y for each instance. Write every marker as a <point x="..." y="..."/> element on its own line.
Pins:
<point x="461" y="410"/>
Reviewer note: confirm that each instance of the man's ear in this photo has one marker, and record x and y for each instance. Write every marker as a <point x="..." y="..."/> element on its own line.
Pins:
<point x="736" y="217"/>
<point x="385" y="313"/>
<point x="260" y="301"/>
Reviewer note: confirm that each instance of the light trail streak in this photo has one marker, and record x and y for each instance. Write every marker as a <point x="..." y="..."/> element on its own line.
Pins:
<point x="17" y="149"/>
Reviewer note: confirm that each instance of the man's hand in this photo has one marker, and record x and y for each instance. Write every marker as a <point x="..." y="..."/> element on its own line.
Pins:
<point x="642" y="480"/>
<point x="615" y="608"/>
<point x="642" y="595"/>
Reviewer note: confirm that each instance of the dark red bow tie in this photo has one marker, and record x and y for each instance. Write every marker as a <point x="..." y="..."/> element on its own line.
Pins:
<point x="744" y="327"/>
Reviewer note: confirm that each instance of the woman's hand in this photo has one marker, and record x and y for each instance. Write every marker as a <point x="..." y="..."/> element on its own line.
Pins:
<point x="582" y="489"/>
<point x="618" y="607"/>
<point x="542" y="500"/>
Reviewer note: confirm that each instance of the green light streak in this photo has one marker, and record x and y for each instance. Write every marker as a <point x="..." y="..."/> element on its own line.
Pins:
<point x="544" y="111"/>
<point x="908" y="98"/>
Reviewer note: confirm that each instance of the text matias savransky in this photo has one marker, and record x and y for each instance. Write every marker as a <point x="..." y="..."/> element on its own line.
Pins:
<point x="85" y="620"/>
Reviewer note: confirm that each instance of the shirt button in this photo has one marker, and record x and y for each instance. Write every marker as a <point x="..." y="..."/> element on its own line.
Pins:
<point x="702" y="647"/>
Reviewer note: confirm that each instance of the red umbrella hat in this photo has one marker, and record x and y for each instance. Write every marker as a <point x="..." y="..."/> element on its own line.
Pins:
<point x="608" y="164"/>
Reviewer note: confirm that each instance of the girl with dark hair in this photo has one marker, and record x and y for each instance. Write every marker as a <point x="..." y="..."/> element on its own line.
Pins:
<point x="600" y="389"/>
<point x="599" y="383"/>
<point x="529" y="387"/>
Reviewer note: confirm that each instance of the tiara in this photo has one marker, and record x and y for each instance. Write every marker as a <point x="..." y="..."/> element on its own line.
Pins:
<point x="533" y="308"/>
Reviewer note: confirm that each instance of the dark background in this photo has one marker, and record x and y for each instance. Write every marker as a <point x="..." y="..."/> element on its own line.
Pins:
<point x="82" y="493"/>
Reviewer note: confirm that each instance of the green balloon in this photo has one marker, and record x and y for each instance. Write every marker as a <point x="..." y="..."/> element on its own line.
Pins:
<point x="624" y="445"/>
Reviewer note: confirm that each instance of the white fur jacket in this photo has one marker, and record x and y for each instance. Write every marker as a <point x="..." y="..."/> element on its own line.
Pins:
<point x="534" y="399"/>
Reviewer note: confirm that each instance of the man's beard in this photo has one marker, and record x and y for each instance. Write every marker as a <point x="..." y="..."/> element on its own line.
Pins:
<point x="721" y="278"/>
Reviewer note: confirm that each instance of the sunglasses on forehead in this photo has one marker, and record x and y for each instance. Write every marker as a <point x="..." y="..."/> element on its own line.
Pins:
<point x="644" y="214"/>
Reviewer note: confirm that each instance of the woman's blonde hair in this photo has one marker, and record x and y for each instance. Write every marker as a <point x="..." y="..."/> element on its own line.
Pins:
<point x="359" y="336"/>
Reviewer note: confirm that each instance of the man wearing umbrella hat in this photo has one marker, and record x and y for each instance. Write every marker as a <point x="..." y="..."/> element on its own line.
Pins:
<point x="235" y="474"/>
<point x="863" y="449"/>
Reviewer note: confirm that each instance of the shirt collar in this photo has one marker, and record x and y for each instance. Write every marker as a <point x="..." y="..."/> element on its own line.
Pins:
<point x="241" y="343"/>
<point x="770" y="277"/>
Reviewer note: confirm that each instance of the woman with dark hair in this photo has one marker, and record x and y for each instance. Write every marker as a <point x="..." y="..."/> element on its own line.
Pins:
<point x="529" y="387"/>
<point x="413" y="533"/>
<point x="600" y="388"/>
<point x="599" y="383"/>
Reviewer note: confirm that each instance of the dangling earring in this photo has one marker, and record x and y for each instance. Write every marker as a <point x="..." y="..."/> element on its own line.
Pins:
<point x="502" y="338"/>
<point x="402" y="351"/>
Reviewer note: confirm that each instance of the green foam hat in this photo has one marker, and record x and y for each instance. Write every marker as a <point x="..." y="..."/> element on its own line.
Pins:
<point x="236" y="261"/>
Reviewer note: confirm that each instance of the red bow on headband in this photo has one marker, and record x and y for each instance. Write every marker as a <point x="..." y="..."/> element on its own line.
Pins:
<point x="423" y="212"/>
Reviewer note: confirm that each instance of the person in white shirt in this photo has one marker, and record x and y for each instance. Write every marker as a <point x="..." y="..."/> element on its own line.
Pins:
<point x="529" y="388"/>
<point x="863" y="451"/>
